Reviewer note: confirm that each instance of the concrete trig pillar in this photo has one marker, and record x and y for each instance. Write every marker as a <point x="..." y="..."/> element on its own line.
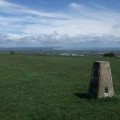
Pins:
<point x="101" y="84"/>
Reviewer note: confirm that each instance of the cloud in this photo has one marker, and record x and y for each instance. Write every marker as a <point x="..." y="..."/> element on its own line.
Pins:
<point x="15" y="9"/>
<point x="37" y="27"/>
<point x="76" y="7"/>
<point x="29" y="21"/>
<point x="15" y="16"/>
<point x="57" y="40"/>
<point x="116" y="29"/>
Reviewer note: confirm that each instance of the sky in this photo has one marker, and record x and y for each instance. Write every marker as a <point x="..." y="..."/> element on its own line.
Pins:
<point x="59" y="23"/>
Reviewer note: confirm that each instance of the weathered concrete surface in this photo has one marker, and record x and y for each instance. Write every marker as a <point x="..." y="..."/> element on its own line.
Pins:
<point x="101" y="84"/>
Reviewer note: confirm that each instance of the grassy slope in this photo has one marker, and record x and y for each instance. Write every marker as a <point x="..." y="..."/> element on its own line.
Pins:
<point x="52" y="88"/>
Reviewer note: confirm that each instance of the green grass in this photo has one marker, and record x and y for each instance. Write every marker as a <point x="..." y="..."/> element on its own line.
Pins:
<point x="53" y="88"/>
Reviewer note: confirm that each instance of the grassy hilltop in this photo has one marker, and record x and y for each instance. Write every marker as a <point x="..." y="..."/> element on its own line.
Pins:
<point x="53" y="88"/>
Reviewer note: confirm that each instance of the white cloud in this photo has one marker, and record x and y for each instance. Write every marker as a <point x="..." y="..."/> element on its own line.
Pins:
<point x="57" y="40"/>
<point x="75" y="6"/>
<point x="79" y="21"/>
<point x="30" y="21"/>
<point x="12" y="8"/>
<point x="70" y="27"/>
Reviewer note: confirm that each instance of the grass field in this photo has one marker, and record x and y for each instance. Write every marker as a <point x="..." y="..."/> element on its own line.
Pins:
<point x="53" y="88"/>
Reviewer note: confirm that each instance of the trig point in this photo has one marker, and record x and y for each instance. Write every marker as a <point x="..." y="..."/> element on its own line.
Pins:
<point x="101" y="84"/>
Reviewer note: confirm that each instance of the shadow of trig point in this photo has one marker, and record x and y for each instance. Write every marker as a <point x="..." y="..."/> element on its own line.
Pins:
<point x="101" y="84"/>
